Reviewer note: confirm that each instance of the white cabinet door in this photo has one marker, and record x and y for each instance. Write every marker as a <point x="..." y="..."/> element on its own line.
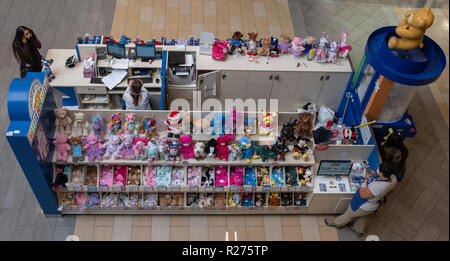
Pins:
<point x="308" y="88"/>
<point x="284" y="89"/>
<point x="332" y="90"/>
<point x="259" y="85"/>
<point x="233" y="84"/>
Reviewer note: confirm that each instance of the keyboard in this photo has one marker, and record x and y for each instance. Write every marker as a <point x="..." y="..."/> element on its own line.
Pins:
<point x="143" y="79"/>
<point x="96" y="80"/>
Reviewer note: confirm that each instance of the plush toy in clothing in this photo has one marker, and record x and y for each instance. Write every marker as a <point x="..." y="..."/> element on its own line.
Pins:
<point x="149" y="126"/>
<point x="284" y="43"/>
<point x="221" y="175"/>
<point x="120" y="175"/>
<point x="80" y="124"/>
<point x="150" y="176"/>
<point x="267" y="125"/>
<point x="274" y="49"/>
<point x="208" y="177"/>
<point x="62" y="147"/>
<point x="236" y="44"/>
<point x="94" y="149"/>
<point x="250" y="176"/>
<point x="309" y="43"/>
<point x="222" y="146"/>
<point x="252" y="44"/>
<point x="106" y="175"/>
<point x="291" y="176"/>
<point x="220" y="199"/>
<point x="125" y="150"/>
<point x="237" y="176"/>
<point x="301" y="148"/>
<point x="199" y="150"/>
<point x="111" y="146"/>
<point x="194" y="176"/>
<point x="152" y="152"/>
<point x="174" y="123"/>
<point x="77" y="149"/>
<point x="277" y="177"/>
<point x="280" y="149"/>
<point x="63" y="121"/>
<point x="186" y="146"/>
<point x="139" y="147"/>
<point x="174" y="152"/>
<point x="322" y="49"/>
<point x="297" y="48"/>
<point x="163" y="174"/>
<point x="99" y="127"/>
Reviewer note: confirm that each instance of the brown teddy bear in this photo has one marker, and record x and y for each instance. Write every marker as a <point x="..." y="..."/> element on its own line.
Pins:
<point x="164" y="199"/>
<point x="91" y="176"/>
<point x="63" y="121"/>
<point x="305" y="125"/>
<point x="134" y="175"/>
<point x="220" y="200"/>
<point x="265" y="48"/>
<point x="177" y="199"/>
<point x="412" y="29"/>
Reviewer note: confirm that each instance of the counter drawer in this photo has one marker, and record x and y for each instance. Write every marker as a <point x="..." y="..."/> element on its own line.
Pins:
<point x="180" y="93"/>
<point x="91" y="90"/>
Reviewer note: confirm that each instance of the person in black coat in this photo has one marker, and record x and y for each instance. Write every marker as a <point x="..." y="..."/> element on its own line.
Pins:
<point x="25" y="48"/>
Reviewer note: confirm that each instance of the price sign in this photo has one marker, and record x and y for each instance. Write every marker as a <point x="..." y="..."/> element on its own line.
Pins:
<point x="162" y="188"/>
<point x="185" y="163"/>
<point x="175" y="207"/>
<point x="163" y="207"/>
<point x="209" y="189"/>
<point x="148" y="188"/>
<point x="365" y="131"/>
<point x="233" y="189"/>
<point x="276" y="188"/>
<point x="103" y="188"/>
<point x="115" y="188"/>
<point x="248" y="189"/>
<point x="290" y="188"/>
<point x="175" y="188"/>
<point x="219" y="189"/>
<point x="77" y="188"/>
<point x="266" y="188"/>
<point x="181" y="208"/>
<point x="193" y="189"/>
<point x="134" y="188"/>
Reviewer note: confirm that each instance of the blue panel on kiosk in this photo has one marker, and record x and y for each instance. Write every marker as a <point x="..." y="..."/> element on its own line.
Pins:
<point x="405" y="126"/>
<point x="69" y="91"/>
<point x="409" y="70"/>
<point x="163" y="81"/>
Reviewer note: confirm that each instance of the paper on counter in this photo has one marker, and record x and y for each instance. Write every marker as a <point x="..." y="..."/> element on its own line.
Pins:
<point x="189" y="60"/>
<point x="114" y="78"/>
<point x="120" y="63"/>
<point x="206" y="42"/>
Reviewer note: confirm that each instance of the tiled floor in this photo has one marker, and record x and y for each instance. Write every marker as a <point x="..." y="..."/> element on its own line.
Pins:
<point x="175" y="19"/>
<point x="416" y="210"/>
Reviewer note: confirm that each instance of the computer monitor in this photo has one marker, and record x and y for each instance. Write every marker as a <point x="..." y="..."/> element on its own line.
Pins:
<point x="115" y="49"/>
<point x="145" y="51"/>
<point x="334" y="167"/>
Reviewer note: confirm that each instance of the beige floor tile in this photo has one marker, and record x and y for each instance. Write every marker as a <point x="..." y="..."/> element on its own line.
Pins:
<point x="197" y="15"/>
<point x="235" y="220"/>
<point x="328" y="233"/>
<point x="84" y="227"/>
<point x="179" y="221"/>
<point x="259" y="10"/>
<point x="255" y="233"/>
<point x="198" y="233"/>
<point x="144" y="31"/>
<point x="184" y="35"/>
<point x="146" y="14"/>
<point x="216" y="233"/>
<point x="148" y="2"/>
<point x="179" y="233"/>
<point x="224" y="35"/>
<point x="309" y="228"/>
<point x="292" y="233"/>
<point x="223" y="28"/>
<point x="272" y="220"/>
<point x="235" y="23"/>
<point x="198" y="221"/>
<point x="141" y="233"/>
<point x="122" y="2"/>
<point x="159" y="7"/>
<point x="104" y="220"/>
<point x="155" y="34"/>
<point x="290" y="220"/>
<point x="172" y="3"/>
<point x="172" y="15"/>
<point x="142" y="220"/>
<point x="160" y="233"/>
<point x="254" y="220"/>
<point x="196" y="29"/>
<point x="102" y="234"/>
<point x="210" y="23"/>
<point x="122" y="228"/>
<point x="283" y="10"/>
<point x="321" y="219"/>
<point x="275" y="30"/>
<point x="171" y="31"/>
<point x="210" y="7"/>
<point x="158" y="22"/>
<point x="222" y="19"/>
<point x="197" y="3"/>
<point x="184" y="23"/>
<point x="185" y="7"/>
<point x="273" y="233"/>
<point x="161" y="221"/>
<point x="217" y="221"/>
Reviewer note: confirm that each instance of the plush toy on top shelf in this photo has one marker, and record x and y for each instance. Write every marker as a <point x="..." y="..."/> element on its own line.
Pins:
<point x="280" y="149"/>
<point x="99" y="127"/>
<point x="274" y="50"/>
<point x="111" y="146"/>
<point x="301" y="150"/>
<point x="186" y="146"/>
<point x="236" y="44"/>
<point x="265" y="153"/>
<point x="131" y="126"/>
<point x="305" y="124"/>
<point x="267" y="125"/>
<point x="222" y="146"/>
<point x="304" y="175"/>
<point x="253" y="43"/>
<point x="211" y="148"/>
<point x="174" y="152"/>
<point x="174" y="124"/>
<point x="149" y="126"/>
<point x="297" y="48"/>
<point x="199" y="150"/>
<point x="288" y="130"/>
<point x="62" y="147"/>
<point x="94" y="149"/>
<point x="248" y="150"/>
<point x="115" y="124"/>
<point x="80" y="124"/>
<point x="163" y="148"/>
<point x="412" y="29"/>
<point x="321" y="50"/>
<point x="344" y="47"/>
<point x="333" y="53"/>
<point x="63" y="121"/>
<point x="309" y="43"/>
<point x="284" y="44"/>
<point x="235" y="152"/>
<point x="125" y="150"/>
<point x="139" y="147"/>
<point x="265" y="48"/>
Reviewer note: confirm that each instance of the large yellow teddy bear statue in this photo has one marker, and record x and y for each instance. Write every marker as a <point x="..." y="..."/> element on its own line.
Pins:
<point x="412" y="29"/>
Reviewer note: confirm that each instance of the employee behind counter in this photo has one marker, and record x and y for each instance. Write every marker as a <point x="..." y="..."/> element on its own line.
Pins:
<point x="136" y="97"/>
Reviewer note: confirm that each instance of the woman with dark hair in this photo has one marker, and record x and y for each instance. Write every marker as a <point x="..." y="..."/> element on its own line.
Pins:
<point x="395" y="152"/>
<point x="136" y="97"/>
<point x="25" y="49"/>
<point x="366" y="199"/>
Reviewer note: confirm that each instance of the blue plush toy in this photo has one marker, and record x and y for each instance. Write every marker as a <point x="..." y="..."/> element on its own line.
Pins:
<point x="163" y="175"/>
<point x="247" y="201"/>
<point x="250" y="176"/>
<point x="248" y="150"/>
<point x="277" y="177"/>
<point x="218" y="124"/>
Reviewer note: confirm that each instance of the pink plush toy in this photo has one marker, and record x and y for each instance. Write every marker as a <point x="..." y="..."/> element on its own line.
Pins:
<point x="62" y="147"/>
<point x="106" y="176"/>
<point x="125" y="150"/>
<point x="94" y="149"/>
<point x="222" y="146"/>
<point x="150" y="176"/>
<point x="139" y="147"/>
<point x="186" y="146"/>
<point x="111" y="146"/>
<point x="120" y="175"/>
<point x="237" y="176"/>
<point x="81" y="199"/>
<point x="221" y="176"/>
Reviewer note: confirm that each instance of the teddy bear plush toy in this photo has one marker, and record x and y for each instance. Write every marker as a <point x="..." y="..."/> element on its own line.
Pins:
<point x="76" y="176"/>
<point x="174" y="124"/>
<point x="62" y="147"/>
<point x="236" y="44"/>
<point x="152" y="152"/>
<point x="305" y="124"/>
<point x="284" y="44"/>
<point x="63" y="121"/>
<point x="125" y="150"/>
<point x="199" y="150"/>
<point x="260" y="199"/>
<point x="99" y="127"/>
<point x="221" y="176"/>
<point x="164" y="199"/>
<point x="220" y="199"/>
<point x="80" y="124"/>
<point x="412" y="29"/>
<point x="253" y="43"/>
<point x="186" y="146"/>
<point x="91" y="176"/>
<point x="222" y="146"/>
<point x="94" y="149"/>
<point x="77" y="149"/>
<point x="265" y="48"/>
<point x="111" y="146"/>
<point x="134" y="175"/>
